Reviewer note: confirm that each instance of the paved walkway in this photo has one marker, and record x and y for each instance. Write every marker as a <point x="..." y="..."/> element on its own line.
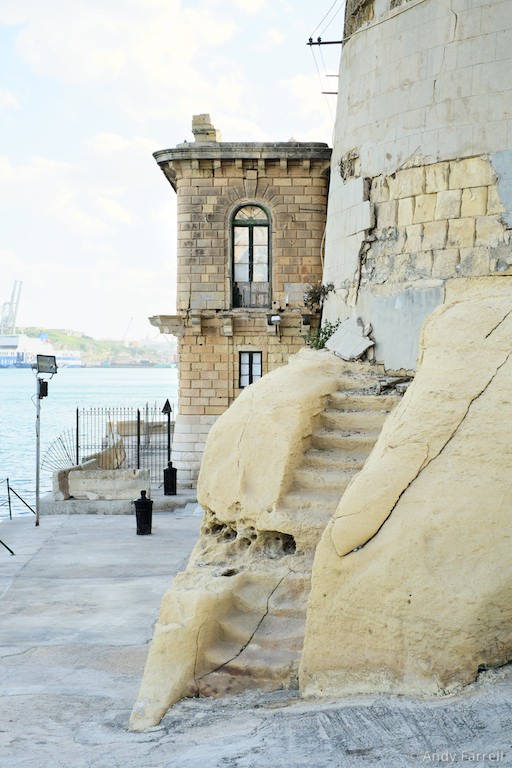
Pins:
<point x="77" y="605"/>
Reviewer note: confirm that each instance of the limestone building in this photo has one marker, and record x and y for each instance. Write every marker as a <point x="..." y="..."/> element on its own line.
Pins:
<point x="251" y="223"/>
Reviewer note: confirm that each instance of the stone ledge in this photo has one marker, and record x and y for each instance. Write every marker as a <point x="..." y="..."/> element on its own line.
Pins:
<point x="161" y="503"/>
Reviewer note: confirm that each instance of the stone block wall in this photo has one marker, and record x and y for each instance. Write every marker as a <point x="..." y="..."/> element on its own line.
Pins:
<point x="209" y="374"/>
<point x="295" y="194"/>
<point x="437" y="221"/>
<point x="213" y="179"/>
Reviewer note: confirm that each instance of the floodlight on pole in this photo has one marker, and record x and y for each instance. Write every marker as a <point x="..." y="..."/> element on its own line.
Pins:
<point x="46" y="365"/>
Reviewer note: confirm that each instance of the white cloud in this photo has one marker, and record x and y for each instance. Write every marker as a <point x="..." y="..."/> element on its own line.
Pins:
<point x="8" y="100"/>
<point x="114" y="210"/>
<point x="255" y="6"/>
<point x="113" y="142"/>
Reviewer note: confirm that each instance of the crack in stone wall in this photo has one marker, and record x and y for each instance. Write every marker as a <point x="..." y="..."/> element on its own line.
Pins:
<point x="431" y="459"/>
<point x="248" y="641"/>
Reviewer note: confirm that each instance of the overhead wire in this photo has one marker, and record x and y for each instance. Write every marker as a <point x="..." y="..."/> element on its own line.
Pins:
<point x="324" y="18"/>
<point x="342" y="6"/>
<point x="321" y="85"/>
<point x="322" y="60"/>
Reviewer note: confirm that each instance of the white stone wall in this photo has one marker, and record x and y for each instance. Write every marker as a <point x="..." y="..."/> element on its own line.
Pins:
<point x="189" y="437"/>
<point x="426" y="82"/>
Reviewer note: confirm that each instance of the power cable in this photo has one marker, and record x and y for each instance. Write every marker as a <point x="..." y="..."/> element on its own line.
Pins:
<point x="324" y="18"/>
<point x="342" y="6"/>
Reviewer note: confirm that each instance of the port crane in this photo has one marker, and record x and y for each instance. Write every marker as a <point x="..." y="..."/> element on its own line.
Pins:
<point x="9" y="311"/>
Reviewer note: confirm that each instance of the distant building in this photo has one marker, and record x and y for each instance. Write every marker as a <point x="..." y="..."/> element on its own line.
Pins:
<point x="251" y="223"/>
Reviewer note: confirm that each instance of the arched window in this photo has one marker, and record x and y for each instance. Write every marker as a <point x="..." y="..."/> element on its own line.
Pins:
<point x="251" y="257"/>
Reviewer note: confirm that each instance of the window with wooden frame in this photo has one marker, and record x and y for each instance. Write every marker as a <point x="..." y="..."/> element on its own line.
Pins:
<point x="250" y="237"/>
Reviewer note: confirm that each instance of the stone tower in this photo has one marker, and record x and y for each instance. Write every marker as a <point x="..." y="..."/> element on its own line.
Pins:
<point x="422" y="162"/>
<point x="251" y="222"/>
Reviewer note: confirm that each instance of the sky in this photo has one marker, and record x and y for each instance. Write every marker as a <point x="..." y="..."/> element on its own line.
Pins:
<point x="89" y="89"/>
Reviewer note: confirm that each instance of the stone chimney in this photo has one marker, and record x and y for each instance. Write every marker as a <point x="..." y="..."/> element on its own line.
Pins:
<point x="203" y="129"/>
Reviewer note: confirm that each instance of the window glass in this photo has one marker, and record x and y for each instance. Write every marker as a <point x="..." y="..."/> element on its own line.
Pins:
<point x="260" y="254"/>
<point x="241" y="254"/>
<point x="241" y="273"/>
<point x="250" y="367"/>
<point x="260" y="235"/>
<point x="259" y="273"/>
<point x="242" y="235"/>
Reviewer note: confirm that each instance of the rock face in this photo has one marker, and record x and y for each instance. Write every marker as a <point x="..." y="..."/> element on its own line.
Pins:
<point x="412" y="580"/>
<point x="274" y="468"/>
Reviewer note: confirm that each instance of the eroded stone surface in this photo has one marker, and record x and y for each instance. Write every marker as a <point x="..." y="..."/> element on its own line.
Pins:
<point x="274" y="468"/>
<point x="412" y="579"/>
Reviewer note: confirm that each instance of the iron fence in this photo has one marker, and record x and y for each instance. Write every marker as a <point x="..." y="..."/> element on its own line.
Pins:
<point x="117" y="438"/>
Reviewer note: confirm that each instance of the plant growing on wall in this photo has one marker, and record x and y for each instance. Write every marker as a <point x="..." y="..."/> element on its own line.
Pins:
<point x="317" y="339"/>
<point x="315" y="295"/>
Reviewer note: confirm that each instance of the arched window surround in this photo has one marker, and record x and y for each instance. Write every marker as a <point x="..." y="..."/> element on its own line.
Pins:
<point x="250" y="247"/>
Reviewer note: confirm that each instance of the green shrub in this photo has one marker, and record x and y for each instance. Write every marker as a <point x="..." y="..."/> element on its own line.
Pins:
<point x="317" y="339"/>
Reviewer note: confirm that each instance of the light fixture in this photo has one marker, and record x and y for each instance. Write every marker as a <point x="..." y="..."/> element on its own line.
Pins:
<point x="46" y="364"/>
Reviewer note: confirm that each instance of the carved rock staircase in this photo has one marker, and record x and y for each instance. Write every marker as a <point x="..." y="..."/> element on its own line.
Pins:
<point x="258" y="642"/>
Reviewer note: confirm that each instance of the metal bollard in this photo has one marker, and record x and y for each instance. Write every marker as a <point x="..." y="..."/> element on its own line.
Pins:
<point x="144" y="514"/>
<point x="170" y="480"/>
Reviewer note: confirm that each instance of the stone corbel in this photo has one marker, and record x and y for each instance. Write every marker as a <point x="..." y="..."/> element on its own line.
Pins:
<point x="195" y="322"/>
<point x="171" y="324"/>
<point x="227" y="326"/>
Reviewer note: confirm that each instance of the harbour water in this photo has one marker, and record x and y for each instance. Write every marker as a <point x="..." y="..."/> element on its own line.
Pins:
<point x="69" y="389"/>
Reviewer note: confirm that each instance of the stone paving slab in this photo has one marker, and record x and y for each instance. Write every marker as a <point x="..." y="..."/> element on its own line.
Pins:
<point x="77" y="606"/>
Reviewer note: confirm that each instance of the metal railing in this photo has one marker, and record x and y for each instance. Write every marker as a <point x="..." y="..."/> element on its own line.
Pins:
<point x="8" y="502"/>
<point x="117" y="438"/>
<point x="251" y="295"/>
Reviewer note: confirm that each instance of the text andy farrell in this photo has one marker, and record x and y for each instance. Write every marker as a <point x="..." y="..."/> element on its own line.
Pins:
<point x="447" y="758"/>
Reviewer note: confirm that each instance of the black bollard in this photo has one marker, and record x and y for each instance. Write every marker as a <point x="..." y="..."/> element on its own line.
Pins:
<point x="144" y="514"/>
<point x="170" y="480"/>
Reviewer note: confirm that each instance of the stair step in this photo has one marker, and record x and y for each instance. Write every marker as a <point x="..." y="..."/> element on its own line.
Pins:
<point x="323" y="479"/>
<point x="361" y="442"/>
<point x="345" y="400"/>
<point x="281" y="632"/>
<point x="252" y="596"/>
<point x="353" y="421"/>
<point x="253" y="661"/>
<point x="318" y="458"/>
<point x="238" y="626"/>
<point x="271" y="631"/>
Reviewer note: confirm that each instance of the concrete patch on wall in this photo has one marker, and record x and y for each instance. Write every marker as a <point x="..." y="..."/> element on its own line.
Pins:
<point x="397" y="320"/>
<point x="502" y="164"/>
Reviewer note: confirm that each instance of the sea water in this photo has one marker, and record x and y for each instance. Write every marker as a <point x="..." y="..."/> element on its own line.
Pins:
<point x="68" y="389"/>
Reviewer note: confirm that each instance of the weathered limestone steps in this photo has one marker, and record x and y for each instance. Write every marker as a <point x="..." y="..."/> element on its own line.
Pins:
<point x="258" y="642"/>
<point x="260" y="639"/>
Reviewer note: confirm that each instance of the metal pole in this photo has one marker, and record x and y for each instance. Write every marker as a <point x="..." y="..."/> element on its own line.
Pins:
<point x="38" y="443"/>
<point x="138" y="439"/>
<point x="77" y="439"/>
<point x="168" y="436"/>
<point x="9" y="498"/>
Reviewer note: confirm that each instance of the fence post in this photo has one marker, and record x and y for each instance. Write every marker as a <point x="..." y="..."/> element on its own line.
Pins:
<point x="9" y="498"/>
<point x="138" y="438"/>
<point x="77" y="439"/>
